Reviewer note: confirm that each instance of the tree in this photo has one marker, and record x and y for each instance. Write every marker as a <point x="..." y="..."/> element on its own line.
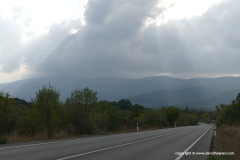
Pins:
<point x="236" y="105"/>
<point x="205" y="117"/>
<point x="79" y="103"/>
<point x="106" y="117"/>
<point x="29" y="123"/>
<point x="187" y="118"/>
<point x="187" y="109"/>
<point x="83" y="97"/>
<point x="238" y="98"/>
<point x="7" y="115"/>
<point x="124" y="104"/>
<point x="229" y="114"/>
<point x="152" y="118"/>
<point x="47" y="104"/>
<point x="172" y="114"/>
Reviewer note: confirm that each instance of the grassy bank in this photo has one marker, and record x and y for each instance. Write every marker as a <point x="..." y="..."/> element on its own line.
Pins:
<point x="227" y="139"/>
<point x="15" y="138"/>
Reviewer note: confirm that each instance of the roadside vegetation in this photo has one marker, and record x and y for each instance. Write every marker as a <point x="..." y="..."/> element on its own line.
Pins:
<point x="46" y="117"/>
<point x="227" y="138"/>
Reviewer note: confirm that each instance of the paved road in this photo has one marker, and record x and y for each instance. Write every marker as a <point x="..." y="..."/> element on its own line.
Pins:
<point x="149" y="145"/>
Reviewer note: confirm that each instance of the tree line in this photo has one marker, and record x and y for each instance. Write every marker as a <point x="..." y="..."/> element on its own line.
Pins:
<point x="82" y="113"/>
<point x="229" y="114"/>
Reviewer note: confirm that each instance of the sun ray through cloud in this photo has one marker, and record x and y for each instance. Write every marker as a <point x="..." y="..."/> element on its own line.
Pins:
<point x="184" y="38"/>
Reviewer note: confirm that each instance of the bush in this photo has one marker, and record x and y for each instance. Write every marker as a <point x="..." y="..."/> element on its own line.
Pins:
<point x="29" y="124"/>
<point x="3" y="139"/>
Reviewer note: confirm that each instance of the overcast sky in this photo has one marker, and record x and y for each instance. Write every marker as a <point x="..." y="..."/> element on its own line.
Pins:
<point x="119" y="38"/>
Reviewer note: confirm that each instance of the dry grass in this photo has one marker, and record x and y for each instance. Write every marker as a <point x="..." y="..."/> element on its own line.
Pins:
<point x="227" y="140"/>
<point x="14" y="138"/>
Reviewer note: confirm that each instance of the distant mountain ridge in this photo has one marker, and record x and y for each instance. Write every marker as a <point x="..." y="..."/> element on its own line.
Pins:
<point x="150" y="91"/>
<point x="194" y="97"/>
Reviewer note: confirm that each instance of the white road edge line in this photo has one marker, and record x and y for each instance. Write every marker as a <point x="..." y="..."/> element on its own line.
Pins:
<point x="180" y="156"/>
<point x="38" y="144"/>
<point x="117" y="146"/>
<point x="63" y="141"/>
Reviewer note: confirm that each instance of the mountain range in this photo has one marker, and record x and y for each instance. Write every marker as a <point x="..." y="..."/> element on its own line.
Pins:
<point x="155" y="91"/>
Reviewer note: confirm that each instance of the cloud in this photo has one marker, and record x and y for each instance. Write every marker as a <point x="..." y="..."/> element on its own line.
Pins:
<point x="115" y="41"/>
<point x="9" y="46"/>
<point x="103" y="46"/>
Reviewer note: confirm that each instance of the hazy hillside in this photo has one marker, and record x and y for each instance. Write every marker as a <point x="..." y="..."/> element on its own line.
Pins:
<point x="194" y="97"/>
<point x="108" y="88"/>
<point x="149" y="91"/>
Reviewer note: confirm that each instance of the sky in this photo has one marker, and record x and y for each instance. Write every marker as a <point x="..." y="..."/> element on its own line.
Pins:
<point x="112" y="38"/>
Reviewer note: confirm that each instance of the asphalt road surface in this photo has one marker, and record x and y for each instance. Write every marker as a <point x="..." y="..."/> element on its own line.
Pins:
<point x="164" y="144"/>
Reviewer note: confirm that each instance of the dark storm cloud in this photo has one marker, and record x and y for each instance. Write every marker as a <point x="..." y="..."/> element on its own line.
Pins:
<point x="101" y="47"/>
<point x="116" y="42"/>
